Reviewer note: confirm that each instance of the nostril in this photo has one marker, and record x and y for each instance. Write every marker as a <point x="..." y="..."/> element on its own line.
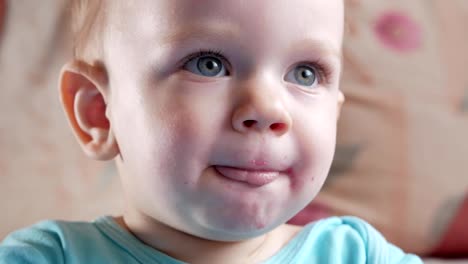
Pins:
<point x="249" y="123"/>
<point x="277" y="126"/>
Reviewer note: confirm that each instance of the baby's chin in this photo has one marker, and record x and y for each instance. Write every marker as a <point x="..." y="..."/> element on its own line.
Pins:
<point x="240" y="233"/>
<point x="236" y="226"/>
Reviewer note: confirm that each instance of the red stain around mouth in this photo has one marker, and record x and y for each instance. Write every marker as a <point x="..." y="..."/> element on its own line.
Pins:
<point x="398" y="31"/>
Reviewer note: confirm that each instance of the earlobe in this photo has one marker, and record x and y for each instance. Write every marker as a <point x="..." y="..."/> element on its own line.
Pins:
<point x="83" y="94"/>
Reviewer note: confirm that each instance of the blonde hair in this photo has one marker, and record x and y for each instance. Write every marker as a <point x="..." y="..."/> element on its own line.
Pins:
<point x="87" y="20"/>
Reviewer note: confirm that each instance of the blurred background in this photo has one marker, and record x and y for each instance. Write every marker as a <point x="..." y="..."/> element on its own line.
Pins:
<point x="402" y="153"/>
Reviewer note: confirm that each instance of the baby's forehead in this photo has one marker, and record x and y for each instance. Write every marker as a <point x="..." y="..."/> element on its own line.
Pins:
<point x="167" y="17"/>
<point x="186" y="10"/>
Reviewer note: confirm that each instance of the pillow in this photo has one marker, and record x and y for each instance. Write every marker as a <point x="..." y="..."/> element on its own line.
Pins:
<point x="402" y="152"/>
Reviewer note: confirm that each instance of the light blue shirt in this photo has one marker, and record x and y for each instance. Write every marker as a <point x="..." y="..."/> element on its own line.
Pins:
<point x="334" y="240"/>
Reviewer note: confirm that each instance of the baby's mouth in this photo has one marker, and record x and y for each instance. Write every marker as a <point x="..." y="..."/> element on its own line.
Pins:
<point x="253" y="177"/>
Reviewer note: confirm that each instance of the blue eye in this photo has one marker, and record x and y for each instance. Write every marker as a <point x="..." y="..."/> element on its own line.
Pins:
<point x="206" y="65"/>
<point x="303" y="75"/>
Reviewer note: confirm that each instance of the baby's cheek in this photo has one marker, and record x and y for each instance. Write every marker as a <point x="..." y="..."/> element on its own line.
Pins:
<point x="187" y="136"/>
<point x="189" y="144"/>
<point x="315" y="157"/>
<point x="304" y="179"/>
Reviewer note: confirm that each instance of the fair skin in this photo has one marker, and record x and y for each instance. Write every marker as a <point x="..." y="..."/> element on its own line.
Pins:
<point x="215" y="150"/>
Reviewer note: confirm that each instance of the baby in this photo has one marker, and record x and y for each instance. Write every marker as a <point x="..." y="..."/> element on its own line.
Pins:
<point x="221" y="117"/>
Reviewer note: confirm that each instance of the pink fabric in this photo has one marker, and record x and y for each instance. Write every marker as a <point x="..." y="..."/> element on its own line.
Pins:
<point x="3" y="8"/>
<point x="454" y="243"/>
<point x="314" y="211"/>
<point x="398" y="31"/>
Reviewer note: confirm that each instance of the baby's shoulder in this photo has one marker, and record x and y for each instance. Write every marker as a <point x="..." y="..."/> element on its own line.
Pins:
<point x="343" y="240"/>
<point x="55" y="242"/>
<point x="344" y="229"/>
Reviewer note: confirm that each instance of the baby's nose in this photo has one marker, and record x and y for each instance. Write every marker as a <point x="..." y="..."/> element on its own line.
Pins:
<point x="262" y="112"/>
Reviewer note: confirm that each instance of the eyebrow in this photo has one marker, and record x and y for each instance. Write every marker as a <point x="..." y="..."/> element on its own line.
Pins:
<point x="202" y="29"/>
<point x="319" y="46"/>
<point x="213" y="28"/>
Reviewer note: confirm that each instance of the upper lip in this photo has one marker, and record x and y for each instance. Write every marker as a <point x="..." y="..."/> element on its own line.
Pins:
<point x="255" y="159"/>
<point x="255" y="168"/>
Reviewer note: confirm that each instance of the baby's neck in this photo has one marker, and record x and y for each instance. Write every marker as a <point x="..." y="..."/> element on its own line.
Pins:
<point x="191" y="249"/>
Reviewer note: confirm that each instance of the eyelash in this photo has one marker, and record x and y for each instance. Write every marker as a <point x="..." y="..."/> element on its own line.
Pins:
<point x="322" y="68"/>
<point x="214" y="53"/>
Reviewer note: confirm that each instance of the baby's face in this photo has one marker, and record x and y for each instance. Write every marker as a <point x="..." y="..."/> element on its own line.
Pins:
<point x="224" y="111"/>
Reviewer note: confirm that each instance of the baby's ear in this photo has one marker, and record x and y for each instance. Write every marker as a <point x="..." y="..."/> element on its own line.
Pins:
<point x="84" y="96"/>
<point x="341" y="100"/>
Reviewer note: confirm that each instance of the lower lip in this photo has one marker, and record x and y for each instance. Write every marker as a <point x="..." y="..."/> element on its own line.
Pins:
<point x="254" y="178"/>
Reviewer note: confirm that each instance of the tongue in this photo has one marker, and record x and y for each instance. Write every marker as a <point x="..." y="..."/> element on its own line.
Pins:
<point x="257" y="178"/>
